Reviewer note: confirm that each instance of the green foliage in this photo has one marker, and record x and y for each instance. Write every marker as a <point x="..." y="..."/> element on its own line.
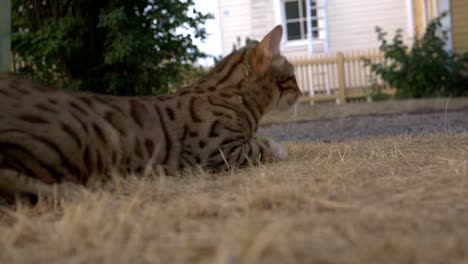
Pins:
<point x="375" y="91"/>
<point x="426" y="69"/>
<point x="124" y="47"/>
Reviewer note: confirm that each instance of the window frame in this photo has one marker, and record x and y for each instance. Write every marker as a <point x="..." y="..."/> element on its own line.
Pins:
<point x="312" y="33"/>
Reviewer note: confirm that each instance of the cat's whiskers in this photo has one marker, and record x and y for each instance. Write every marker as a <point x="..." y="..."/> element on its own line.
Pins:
<point x="296" y="106"/>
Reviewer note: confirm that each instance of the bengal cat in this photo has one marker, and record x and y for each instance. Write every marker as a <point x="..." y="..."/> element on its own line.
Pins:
<point x="51" y="137"/>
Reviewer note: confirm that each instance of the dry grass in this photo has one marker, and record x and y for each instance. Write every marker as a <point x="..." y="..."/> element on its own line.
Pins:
<point x="307" y="112"/>
<point x="388" y="200"/>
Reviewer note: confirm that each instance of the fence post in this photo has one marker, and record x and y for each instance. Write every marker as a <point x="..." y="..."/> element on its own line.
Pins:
<point x="341" y="77"/>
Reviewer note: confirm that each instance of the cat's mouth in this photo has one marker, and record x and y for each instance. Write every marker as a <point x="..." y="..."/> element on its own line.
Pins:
<point x="289" y="93"/>
<point x="285" y="102"/>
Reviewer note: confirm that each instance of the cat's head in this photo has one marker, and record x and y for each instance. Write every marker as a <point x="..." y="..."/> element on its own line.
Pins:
<point x="262" y="64"/>
<point x="267" y="63"/>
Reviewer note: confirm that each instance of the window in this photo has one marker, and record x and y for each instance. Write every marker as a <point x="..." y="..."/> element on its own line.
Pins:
<point x="298" y="20"/>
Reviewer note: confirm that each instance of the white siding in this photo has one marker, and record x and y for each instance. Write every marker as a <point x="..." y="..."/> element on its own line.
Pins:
<point x="235" y="19"/>
<point x="245" y="19"/>
<point x="263" y="19"/>
<point x="291" y="51"/>
<point x="351" y="23"/>
<point x="460" y="25"/>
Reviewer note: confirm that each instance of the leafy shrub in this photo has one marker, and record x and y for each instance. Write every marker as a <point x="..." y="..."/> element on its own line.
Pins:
<point x="375" y="91"/>
<point x="426" y="69"/>
<point x="108" y="46"/>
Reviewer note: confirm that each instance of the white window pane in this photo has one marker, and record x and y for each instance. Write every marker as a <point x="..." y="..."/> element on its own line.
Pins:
<point x="298" y="24"/>
<point x="304" y="7"/>
<point x="313" y="10"/>
<point x="294" y="30"/>
<point x="313" y="19"/>
<point x="314" y="24"/>
<point x="291" y="10"/>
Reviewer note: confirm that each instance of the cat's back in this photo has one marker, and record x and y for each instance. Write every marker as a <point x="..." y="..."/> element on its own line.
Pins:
<point x="31" y="103"/>
<point x="34" y="108"/>
<point x="18" y="93"/>
<point x="50" y="132"/>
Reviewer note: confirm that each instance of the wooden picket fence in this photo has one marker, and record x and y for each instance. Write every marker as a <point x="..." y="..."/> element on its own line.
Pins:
<point x="340" y="77"/>
<point x="335" y="77"/>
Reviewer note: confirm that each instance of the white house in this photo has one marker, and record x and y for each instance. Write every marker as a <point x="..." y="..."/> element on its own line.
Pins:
<point x="317" y="26"/>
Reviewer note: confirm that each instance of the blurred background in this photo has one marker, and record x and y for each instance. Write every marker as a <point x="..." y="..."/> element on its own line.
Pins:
<point x="343" y="50"/>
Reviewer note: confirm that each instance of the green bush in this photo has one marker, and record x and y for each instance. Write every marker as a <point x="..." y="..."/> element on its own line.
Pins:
<point x="426" y="69"/>
<point x="375" y="91"/>
<point x="124" y="47"/>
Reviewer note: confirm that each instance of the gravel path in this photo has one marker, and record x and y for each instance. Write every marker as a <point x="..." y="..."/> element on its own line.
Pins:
<point x="367" y="126"/>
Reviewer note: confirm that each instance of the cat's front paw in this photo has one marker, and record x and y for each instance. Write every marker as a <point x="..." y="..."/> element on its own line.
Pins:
<point x="278" y="150"/>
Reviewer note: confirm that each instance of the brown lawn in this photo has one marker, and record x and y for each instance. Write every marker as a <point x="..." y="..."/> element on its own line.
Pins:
<point x="382" y="200"/>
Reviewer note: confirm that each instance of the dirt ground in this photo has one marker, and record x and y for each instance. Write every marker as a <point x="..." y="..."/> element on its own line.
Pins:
<point x="328" y="111"/>
<point x="354" y="127"/>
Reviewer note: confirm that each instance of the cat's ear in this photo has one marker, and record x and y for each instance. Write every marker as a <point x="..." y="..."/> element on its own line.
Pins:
<point x="267" y="49"/>
<point x="270" y="44"/>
